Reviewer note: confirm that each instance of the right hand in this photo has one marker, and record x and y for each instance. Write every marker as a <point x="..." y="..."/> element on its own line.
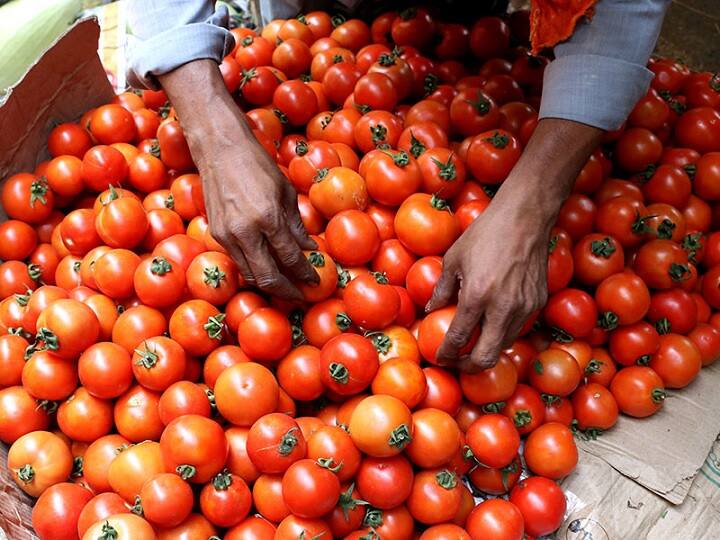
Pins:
<point x="253" y="212"/>
<point x="252" y="208"/>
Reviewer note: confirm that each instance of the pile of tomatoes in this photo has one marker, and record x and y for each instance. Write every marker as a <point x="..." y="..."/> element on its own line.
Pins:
<point x="146" y="392"/>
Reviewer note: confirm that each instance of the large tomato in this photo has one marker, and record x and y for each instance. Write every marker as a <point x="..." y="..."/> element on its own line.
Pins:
<point x="493" y="440"/>
<point x="492" y="155"/>
<point x="56" y="513"/>
<point x="381" y="426"/>
<point x="542" y="504"/>
<point x="497" y="519"/>
<point x="226" y="500"/>
<point x="123" y="526"/>
<point x="425" y="225"/>
<point x="550" y="451"/>
<point x="274" y="443"/>
<point x="195" y="447"/>
<point x="348" y="364"/>
<point x="38" y="460"/>
<point x="435" y="497"/>
<point x="245" y="392"/>
<point x="310" y="488"/>
<point x="166" y="500"/>
<point x="638" y="390"/>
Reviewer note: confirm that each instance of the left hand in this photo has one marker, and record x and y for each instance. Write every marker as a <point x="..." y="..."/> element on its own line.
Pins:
<point x="500" y="267"/>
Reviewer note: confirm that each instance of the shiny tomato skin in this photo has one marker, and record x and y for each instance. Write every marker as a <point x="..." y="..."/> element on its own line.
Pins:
<point x="497" y="519"/>
<point x="57" y="511"/>
<point x="542" y="504"/>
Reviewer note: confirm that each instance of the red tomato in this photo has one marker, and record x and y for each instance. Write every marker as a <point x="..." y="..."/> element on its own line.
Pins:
<point x="497" y="519"/>
<point x="542" y="504"/>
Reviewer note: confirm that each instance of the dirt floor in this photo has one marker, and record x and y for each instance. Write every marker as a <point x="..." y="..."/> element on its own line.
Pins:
<point x="691" y="33"/>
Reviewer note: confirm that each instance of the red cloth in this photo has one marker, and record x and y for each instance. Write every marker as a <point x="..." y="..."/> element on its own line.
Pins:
<point x="553" y="21"/>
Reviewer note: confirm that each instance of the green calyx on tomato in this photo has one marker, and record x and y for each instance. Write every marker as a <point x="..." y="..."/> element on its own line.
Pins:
<point x="320" y="174"/>
<point x="342" y="321"/>
<point x="382" y="342"/>
<point x="280" y="116"/>
<point x="186" y="471"/>
<point x="170" y="201"/>
<point x="439" y="204"/>
<point x="550" y="399"/>
<point x="247" y="41"/>
<point x="288" y="442"/>
<point x="77" y="469"/>
<point x="505" y="473"/>
<point x="387" y="59"/>
<point x="400" y="437"/>
<point x="644" y="360"/>
<point x="640" y="226"/>
<point x="658" y="395"/>
<point x="339" y="372"/>
<point x="213" y="276"/>
<point x="662" y="326"/>
<point x="446" y="479"/>
<point x="380" y="277"/>
<point x="298" y="336"/>
<point x="416" y="147"/>
<point x="481" y="105"/>
<point x="214" y="326"/>
<point x="647" y="174"/>
<point x="603" y="248"/>
<point x="493" y="408"/>
<point x="222" y="480"/>
<point x="26" y="473"/>
<point x="329" y="464"/>
<point x="137" y="508"/>
<point x="38" y="191"/>
<point x="34" y="271"/>
<point x="344" y="276"/>
<point x="407" y="14"/>
<point x="46" y="340"/>
<point x="160" y="266"/>
<point x="23" y="299"/>
<point x="594" y="366"/>
<point x="430" y="83"/>
<point x="498" y="140"/>
<point x="301" y="148"/>
<point x="714" y="82"/>
<point x="47" y="405"/>
<point x="379" y="133"/>
<point x="560" y="335"/>
<point x="692" y="243"/>
<point x="679" y="272"/>
<point x="665" y="229"/>
<point x="337" y="20"/>
<point x="316" y="259"/>
<point x="522" y="418"/>
<point x="108" y="532"/>
<point x="447" y="171"/>
<point x="148" y="358"/>
<point x="347" y="502"/>
<point x="608" y="320"/>
<point x="690" y="169"/>
<point x="373" y="518"/>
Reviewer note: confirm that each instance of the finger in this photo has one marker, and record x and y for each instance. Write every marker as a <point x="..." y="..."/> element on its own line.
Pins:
<point x="486" y="352"/>
<point x="297" y="229"/>
<point x="460" y="330"/>
<point x="266" y="273"/>
<point x="290" y="255"/>
<point x="513" y="330"/>
<point x="444" y="289"/>
<point x="236" y="254"/>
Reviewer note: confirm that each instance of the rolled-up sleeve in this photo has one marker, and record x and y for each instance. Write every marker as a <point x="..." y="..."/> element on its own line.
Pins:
<point x="600" y="72"/>
<point x="170" y="33"/>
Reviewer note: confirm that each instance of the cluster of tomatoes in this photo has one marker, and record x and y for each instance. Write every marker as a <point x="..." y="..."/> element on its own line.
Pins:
<point x="147" y="393"/>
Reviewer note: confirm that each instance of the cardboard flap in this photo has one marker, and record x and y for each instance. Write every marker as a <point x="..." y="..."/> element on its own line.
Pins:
<point x="66" y="81"/>
<point x="664" y="452"/>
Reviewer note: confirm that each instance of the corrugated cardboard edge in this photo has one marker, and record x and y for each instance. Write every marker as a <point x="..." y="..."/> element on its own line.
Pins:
<point x="67" y="80"/>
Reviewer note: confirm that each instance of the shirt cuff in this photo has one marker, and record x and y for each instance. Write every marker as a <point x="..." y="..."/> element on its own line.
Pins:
<point x="172" y="48"/>
<point x="595" y="90"/>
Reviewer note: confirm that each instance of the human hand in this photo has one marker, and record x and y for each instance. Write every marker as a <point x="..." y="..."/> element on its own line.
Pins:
<point x="252" y="208"/>
<point x="500" y="266"/>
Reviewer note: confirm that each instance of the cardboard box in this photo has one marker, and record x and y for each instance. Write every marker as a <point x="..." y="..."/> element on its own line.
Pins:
<point x="638" y="481"/>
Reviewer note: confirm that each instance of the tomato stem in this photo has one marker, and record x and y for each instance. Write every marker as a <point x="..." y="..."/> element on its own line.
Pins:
<point x="373" y="518"/>
<point x="213" y="276"/>
<point x="382" y="342"/>
<point x="446" y="479"/>
<point x="77" y="470"/>
<point x="663" y="326"/>
<point x="214" y="326"/>
<point x="665" y="229"/>
<point x="186" y="471"/>
<point x="658" y="395"/>
<point x="222" y="480"/>
<point x="288" y="442"/>
<point x="342" y="321"/>
<point x="160" y="266"/>
<point x="301" y="148"/>
<point x="603" y="248"/>
<point x="316" y="259"/>
<point x="339" y="372"/>
<point x="522" y="418"/>
<point x="493" y="408"/>
<point x="137" y="508"/>
<point x="644" y="360"/>
<point x="38" y="191"/>
<point x="108" y="532"/>
<point x="400" y="437"/>
<point x="498" y="140"/>
<point x="329" y="464"/>
<point x="608" y="320"/>
<point x="26" y="473"/>
<point x="417" y="148"/>
<point x="148" y="358"/>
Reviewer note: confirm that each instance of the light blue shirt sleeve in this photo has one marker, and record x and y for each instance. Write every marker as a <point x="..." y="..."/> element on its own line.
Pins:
<point x="600" y="72"/>
<point x="170" y="33"/>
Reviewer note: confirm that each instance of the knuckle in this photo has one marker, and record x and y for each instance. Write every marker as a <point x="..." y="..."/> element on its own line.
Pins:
<point x="266" y="280"/>
<point x="456" y="338"/>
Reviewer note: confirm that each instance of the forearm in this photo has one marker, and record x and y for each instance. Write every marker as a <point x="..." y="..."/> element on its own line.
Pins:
<point x="210" y="118"/>
<point x="543" y="177"/>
